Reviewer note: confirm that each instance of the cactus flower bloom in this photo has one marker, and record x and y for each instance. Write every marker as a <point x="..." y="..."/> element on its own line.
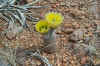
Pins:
<point x="42" y="26"/>
<point x="54" y="19"/>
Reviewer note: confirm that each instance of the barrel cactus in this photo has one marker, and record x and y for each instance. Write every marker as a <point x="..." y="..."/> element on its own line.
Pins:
<point x="48" y="27"/>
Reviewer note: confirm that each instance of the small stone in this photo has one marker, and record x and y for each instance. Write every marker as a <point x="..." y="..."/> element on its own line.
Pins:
<point x="62" y="3"/>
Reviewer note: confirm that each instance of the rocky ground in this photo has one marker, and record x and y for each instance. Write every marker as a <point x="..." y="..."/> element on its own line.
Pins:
<point x="78" y="30"/>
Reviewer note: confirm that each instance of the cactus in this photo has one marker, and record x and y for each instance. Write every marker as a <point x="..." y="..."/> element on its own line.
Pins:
<point x="42" y="26"/>
<point x="50" y="42"/>
<point x="15" y="16"/>
<point x="52" y="21"/>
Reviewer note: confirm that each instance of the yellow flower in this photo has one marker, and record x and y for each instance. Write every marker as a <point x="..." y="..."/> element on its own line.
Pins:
<point x="54" y="19"/>
<point x="42" y="26"/>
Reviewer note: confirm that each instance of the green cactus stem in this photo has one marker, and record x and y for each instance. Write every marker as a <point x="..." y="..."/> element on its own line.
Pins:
<point x="50" y="41"/>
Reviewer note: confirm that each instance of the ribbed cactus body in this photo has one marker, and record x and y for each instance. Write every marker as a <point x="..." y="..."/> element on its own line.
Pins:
<point x="50" y="41"/>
